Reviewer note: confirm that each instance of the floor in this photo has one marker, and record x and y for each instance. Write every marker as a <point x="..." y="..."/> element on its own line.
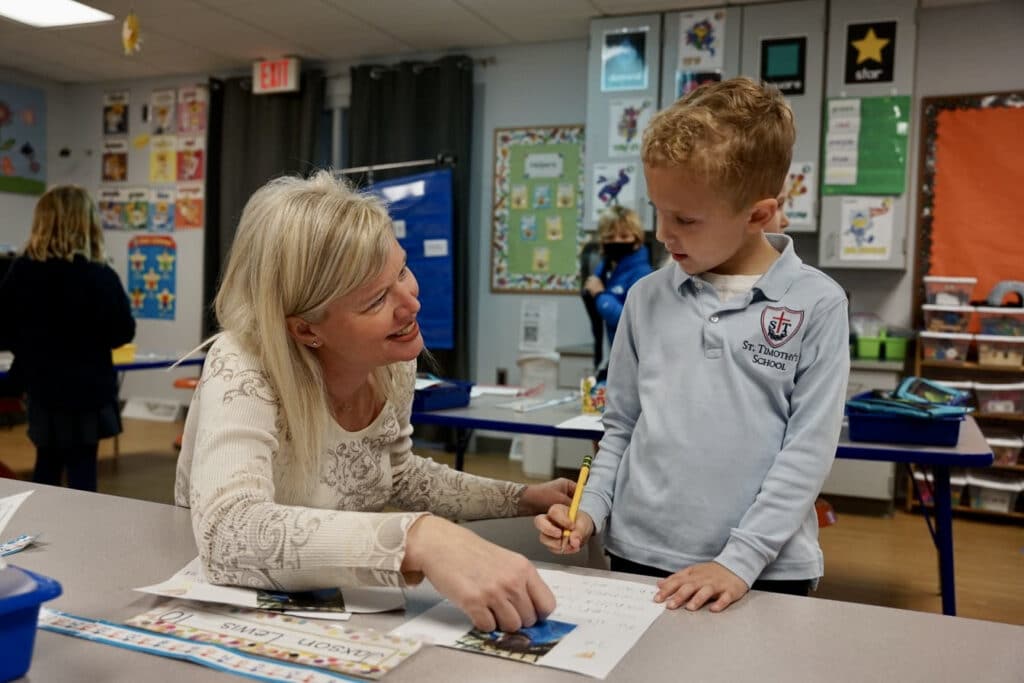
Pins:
<point x="886" y="561"/>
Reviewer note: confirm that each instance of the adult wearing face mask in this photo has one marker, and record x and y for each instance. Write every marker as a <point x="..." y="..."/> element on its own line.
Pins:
<point x="625" y="260"/>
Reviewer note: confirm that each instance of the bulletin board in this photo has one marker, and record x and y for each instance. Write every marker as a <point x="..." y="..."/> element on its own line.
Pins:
<point x="970" y="182"/>
<point x="538" y="209"/>
<point x="22" y="139"/>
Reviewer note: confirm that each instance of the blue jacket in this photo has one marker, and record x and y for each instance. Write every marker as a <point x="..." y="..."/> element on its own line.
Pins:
<point x="626" y="273"/>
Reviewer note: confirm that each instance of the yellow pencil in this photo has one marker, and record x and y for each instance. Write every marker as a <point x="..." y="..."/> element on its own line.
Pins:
<point x="574" y="508"/>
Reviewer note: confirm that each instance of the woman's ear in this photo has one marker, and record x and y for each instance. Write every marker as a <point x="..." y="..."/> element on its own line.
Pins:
<point x="299" y="330"/>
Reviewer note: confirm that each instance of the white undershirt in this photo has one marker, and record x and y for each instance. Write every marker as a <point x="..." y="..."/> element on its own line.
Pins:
<point x="730" y="286"/>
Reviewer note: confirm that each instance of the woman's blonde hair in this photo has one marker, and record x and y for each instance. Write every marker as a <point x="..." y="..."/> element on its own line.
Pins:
<point x="736" y="134"/>
<point x="300" y="244"/>
<point x="65" y="224"/>
<point x="614" y="217"/>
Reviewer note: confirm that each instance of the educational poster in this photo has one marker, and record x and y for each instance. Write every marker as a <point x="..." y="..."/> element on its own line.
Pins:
<point x="538" y="209"/>
<point x="799" y="194"/>
<point x="191" y="206"/>
<point x="152" y="276"/>
<point x="114" y="161"/>
<point x="192" y="106"/>
<point x="865" y="150"/>
<point x="867" y="232"/>
<point x="783" y="64"/>
<point x="624" y="60"/>
<point x="870" y="52"/>
<point x="115" y="113"/>
<point x="22" y="139"/>
<point x="136" y="208"/>
<point x="161" y="210"/>
<point x="702" y="40"/>
<point x="191" y="155"/>
<point x="161" y="112"/>
<point x="163" y="161"/>
<point x="688" y="81"/>
<point x="111" y="203"/>
<point x="614" y="185"/>
<point x="627" y="119"/>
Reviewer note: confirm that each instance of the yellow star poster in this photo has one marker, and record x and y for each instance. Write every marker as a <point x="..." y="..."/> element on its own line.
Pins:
<point x="152" y="276"/>
<point x="870" y="52"/>
<point x="163" y="150"/>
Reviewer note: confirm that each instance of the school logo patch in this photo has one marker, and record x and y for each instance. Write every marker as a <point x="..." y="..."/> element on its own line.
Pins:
<point x="780" y="324"/>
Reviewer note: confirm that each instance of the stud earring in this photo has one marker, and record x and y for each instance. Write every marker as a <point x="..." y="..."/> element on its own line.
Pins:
<point x="315" y="343"/>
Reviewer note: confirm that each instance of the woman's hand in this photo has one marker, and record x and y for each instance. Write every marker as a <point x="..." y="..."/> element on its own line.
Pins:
<point x="495" y="587"/>
<point x="538" y="498"/>
<point x="593" y="285"/>
<point x="552" y="528"/>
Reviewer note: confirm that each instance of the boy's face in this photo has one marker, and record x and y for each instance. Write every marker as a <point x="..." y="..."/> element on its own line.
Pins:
<point x="700" y="230"/>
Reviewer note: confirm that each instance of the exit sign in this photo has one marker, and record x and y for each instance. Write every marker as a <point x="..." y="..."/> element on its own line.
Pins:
<point x="275" y="75"/>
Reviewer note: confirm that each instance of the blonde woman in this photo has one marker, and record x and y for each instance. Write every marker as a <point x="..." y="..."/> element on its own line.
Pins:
<point x="298" y="436"/>
<point x="64" y="310"/>
<point x="624" y="260"/>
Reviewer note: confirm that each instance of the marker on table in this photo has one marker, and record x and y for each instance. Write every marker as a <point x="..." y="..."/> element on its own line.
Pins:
<point x="574" y="508"/>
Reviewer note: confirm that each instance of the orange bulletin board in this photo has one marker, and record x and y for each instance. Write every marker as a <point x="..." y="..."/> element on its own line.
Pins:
<point x="970" y="191"/>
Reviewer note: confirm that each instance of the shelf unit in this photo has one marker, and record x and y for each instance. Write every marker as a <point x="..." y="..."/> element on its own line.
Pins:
<point x="1014" y="422"/>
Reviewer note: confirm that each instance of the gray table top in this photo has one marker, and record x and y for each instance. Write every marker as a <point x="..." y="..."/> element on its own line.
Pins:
<point x="100" y="547"/>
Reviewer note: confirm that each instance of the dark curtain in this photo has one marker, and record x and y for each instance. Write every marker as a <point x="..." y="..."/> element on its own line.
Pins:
<point x="252" y="139"/>
<point x="420" y="110"/>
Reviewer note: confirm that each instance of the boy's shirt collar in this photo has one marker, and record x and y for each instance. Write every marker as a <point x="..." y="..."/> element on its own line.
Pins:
<point x="775" y="283"/>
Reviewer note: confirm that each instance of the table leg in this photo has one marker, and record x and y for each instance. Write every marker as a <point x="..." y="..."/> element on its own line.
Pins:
<point x="462" y="437"/>
<point x="944" y="537"/>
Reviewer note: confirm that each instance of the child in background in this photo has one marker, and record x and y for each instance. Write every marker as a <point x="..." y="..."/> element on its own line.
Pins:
<point x="728" y="373"/>
<point x="66" y="309"/>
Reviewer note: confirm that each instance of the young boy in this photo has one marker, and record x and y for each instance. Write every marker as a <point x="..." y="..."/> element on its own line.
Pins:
<point x="728" y="373"/>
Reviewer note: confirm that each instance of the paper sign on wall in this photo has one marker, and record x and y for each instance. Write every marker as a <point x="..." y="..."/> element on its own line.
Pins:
<point x="701" y="40"/>
<point x="115" y="161"/>
<point x="136" y="209"/>
<point x="190" y="207"/>
<point x="614" y="185"/>
<point x="161" y="112"/>
<point x="111" y="204"/>
<point x="152" y="276"/>
<point x="627" y="120"/>
<point x="867" y="228"/>
<point x="163" y="159"/>
<point x="624" y="59"/>
<point x="799" y="193"/>
<point x="161" y="210"/>
<point x="192" y="105"/>
<point x="115" y="113"/>
<point x="191" y="157"/>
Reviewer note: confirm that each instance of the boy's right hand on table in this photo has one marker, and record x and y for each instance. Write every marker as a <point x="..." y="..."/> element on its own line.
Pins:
<point x="495" y="587"/>
<point x="555" y="522"/>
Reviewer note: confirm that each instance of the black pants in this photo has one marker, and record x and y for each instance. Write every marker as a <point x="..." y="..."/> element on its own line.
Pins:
<point x="79" y="460"/>
<point x="801" y="587"/>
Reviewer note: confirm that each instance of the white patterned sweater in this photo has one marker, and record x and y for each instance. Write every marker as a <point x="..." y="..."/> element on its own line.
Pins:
<point x="252" y="526"/>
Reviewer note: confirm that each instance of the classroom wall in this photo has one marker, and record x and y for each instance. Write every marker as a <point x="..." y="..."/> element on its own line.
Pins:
<point x="16" y="209"/>
<point x="542" y="84"/>
<point x="964" y="49"/>
<point x="85" y="103"/>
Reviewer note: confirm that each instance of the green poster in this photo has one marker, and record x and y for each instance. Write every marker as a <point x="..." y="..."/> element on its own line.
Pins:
<point x="538" y="209"/>
<point x="865" y="149"/>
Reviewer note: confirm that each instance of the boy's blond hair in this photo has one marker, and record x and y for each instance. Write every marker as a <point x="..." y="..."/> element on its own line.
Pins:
<point x="736" y="135"/>
<point x="615" y="216"/>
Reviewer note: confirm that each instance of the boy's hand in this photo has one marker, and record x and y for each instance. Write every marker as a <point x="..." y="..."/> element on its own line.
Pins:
<point x="698" y="584"/>
<point x="537" y="498"/>
<point x="555" y="521"/>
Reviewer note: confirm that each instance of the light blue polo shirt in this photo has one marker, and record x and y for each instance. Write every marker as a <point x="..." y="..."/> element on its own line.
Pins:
<point x="722" y="421"/>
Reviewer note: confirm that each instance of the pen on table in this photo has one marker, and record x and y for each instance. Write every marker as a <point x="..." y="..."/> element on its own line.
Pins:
<point x="574" y="508"/>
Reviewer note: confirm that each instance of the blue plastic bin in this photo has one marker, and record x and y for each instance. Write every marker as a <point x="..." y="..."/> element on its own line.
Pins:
<point x="451" y="393"/>
<point x="21" y="594"/>
<point x="882" y="428"/>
